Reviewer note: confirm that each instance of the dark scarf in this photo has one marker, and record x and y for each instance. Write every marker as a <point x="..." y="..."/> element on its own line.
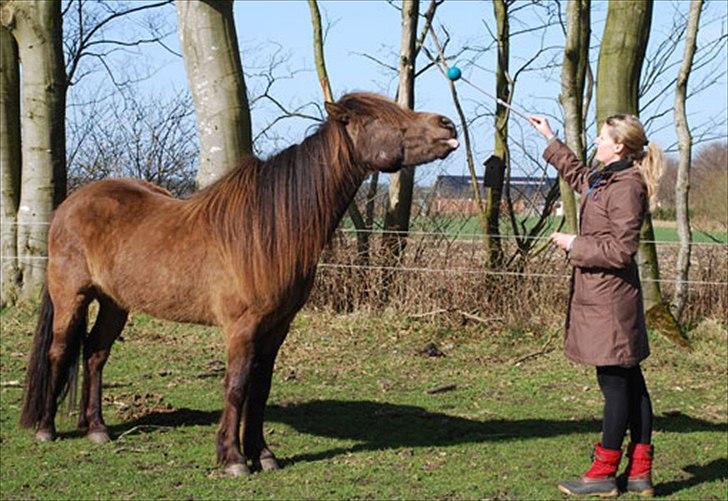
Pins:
<point x="600" y="177"/>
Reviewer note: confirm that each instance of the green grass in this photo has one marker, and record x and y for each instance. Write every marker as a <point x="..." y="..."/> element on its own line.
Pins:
<point x="350" y="417"/>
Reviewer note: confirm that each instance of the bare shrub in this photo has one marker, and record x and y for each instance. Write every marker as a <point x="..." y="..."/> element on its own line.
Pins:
<point x="448" y="276"/>
<point x="709" y="193"/>
<point x="145" y="138"/>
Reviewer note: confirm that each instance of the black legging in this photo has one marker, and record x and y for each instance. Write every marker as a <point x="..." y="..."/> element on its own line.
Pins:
<point x="626" y="402"/>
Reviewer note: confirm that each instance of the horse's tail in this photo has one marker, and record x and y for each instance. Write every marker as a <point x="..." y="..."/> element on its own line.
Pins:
<point x="38" y="385"/>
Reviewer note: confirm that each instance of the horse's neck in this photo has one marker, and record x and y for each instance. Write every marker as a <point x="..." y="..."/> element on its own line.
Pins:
<point x="333" y="178"/>
<point x="280" y="214"/>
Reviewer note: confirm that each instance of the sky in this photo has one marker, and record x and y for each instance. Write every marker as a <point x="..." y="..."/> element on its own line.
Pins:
<point x="282" y="30"/>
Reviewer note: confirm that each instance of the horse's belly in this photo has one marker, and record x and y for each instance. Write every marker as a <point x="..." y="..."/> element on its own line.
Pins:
<point x="164" y="302"/>
<point x="173" y="289"/>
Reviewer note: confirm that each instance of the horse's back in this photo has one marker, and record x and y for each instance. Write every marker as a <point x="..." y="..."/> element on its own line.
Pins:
<point x="124" y="235"/>
<point x="102" y="193"/>
<point x="102" y="205"/>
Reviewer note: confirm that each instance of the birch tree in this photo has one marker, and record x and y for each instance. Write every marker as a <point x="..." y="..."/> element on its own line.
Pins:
<point x="682" y="184"/>
<point x="215" y="74"/>
<point x="36" y="26"/>
<point x="9" y="164"/>
<point x="621" y="54"/>
<point x="573" y="76"/>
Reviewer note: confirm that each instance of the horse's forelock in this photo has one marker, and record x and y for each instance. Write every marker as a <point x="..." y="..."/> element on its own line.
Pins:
<point x="365" y="105"/>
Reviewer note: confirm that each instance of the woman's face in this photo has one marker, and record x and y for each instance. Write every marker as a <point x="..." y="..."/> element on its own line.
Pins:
<point x="607" y="150"/>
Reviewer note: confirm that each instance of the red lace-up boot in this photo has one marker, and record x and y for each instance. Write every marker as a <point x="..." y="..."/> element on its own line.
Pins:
<point x="600" y="479"/>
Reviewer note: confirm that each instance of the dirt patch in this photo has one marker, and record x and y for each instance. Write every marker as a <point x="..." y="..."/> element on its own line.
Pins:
<point x="131" y="406"/>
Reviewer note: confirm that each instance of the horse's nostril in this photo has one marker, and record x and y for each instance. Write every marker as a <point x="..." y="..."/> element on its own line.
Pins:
<point x="447" y="124"/>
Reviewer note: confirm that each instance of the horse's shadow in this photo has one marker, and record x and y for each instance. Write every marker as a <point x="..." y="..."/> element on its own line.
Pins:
<point x="378" y="425"/>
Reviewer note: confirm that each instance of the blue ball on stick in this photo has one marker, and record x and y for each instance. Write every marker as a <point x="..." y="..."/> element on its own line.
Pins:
<point x="454" y="73"/>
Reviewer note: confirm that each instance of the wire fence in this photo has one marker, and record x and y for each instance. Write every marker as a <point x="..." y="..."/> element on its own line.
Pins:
<point x="499" y="273"/>
<point x="458" y="236"/>
<point x="463" y="238"/>
<point x="476" y="236"/>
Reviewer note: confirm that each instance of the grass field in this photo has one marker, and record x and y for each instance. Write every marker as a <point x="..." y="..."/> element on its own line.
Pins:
<point x="470" y="228"/>
<point x="350" y="415"/>
<point x="664" y="230"/>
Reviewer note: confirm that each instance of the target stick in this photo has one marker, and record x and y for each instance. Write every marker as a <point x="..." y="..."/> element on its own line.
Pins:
<point x="453" y="73"/>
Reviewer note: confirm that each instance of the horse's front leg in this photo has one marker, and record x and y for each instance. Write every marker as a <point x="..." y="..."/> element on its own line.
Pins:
<point x="253" y="441"/>
<point x="239" y="339"/>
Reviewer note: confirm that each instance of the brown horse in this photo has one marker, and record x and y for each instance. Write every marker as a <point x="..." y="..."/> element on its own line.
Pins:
<point x="240" y="254"/>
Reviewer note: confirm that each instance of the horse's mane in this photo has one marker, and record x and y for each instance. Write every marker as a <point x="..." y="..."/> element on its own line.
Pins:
<point x="274" y="217"/>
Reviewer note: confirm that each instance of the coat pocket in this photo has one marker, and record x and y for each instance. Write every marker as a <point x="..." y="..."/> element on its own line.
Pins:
<point x="591" y="332"/>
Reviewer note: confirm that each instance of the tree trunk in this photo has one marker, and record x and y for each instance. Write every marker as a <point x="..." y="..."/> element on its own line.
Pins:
<point x="401" y="184"/>
<point x="622" y="51"/>
<point x="399" y="207"/>
<point x="37" y="29"/>
<point x="215" y="74"/>
<point x="318" y="51"/>
<point x="9" y="164"/>
<point x="494" y="194"/>
<point x="362" y="231"/>
<point x="573" y="74"/>
<point x="685" y="144"/>
<point x="623" y="48"/>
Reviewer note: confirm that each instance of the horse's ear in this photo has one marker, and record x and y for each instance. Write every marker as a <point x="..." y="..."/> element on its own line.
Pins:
<point x="337" y="112"/>
<point x="383" y="149"/>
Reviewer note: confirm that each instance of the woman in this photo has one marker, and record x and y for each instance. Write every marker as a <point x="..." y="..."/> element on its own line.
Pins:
<point x="605" y="325"/>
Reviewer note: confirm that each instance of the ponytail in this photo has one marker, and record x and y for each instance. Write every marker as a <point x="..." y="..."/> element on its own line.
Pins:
<point x="627" y="130"/>
<point x="651" y="165"/>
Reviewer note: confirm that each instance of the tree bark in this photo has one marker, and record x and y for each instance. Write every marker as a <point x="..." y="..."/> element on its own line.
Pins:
<point x="401" y="183"/>
<point x="215" y="74"/>
<point x="399" y="207"/>
<point x="37" y="29"/>
<point x="9" y="165"/>
<point x="318" y="51"/>
<point x="573" y="74"/>
<point x="622" y="51"/>
<point x="493" y="196"/>
<point x="362" y="231"/>
<point x="623" y="48"/>
<point x="685" y="144"/>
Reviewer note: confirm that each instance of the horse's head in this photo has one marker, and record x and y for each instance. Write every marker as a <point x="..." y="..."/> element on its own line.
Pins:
<point x="386" y="137"/>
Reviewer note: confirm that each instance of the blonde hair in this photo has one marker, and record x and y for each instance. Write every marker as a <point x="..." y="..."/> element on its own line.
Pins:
<point x="628" y="130"/>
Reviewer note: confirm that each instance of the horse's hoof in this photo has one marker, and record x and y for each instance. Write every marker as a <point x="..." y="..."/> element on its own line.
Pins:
<point x="237" y="470"/>
<point x="269" y="464"/>
<point x="98" y="437"/>
<point x="45" y="436"/>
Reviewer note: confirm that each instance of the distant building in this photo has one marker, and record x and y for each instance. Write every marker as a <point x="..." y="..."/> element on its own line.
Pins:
<point x="454" y="194"/>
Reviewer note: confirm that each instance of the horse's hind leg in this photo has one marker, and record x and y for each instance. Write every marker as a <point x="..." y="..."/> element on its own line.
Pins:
<point x="68" y="330"/>
<point x="109" y="324"/>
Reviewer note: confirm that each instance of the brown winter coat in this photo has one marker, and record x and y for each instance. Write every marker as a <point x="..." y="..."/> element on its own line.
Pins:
<point x="605" y="324"/>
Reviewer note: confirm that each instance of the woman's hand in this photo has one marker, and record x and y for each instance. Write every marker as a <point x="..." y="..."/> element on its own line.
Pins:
<point x="563" y="240"/>
<point x="542" y="125"/>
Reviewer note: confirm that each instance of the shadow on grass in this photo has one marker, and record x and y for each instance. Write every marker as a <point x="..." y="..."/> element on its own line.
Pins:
<point x="166" y="419"/>
<point x="379" y="425"/>
<point x="699" y="474"/>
